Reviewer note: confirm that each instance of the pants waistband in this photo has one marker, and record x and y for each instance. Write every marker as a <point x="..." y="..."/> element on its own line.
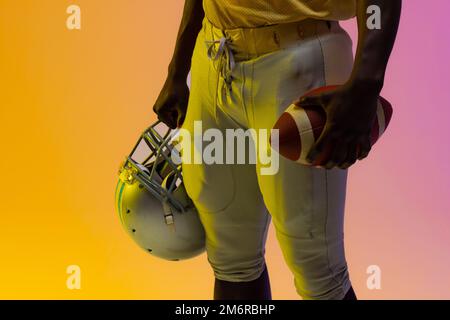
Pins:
<point x="247" y="43"/>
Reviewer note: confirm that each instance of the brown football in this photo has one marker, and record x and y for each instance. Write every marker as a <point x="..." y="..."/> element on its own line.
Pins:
<point x="300" y="127"/>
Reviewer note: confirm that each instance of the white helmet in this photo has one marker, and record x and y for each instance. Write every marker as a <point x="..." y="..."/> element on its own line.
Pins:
<point x="152" y="202"/>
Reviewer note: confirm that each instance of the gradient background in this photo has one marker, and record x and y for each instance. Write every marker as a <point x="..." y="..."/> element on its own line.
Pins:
<point x="72" y="104"/>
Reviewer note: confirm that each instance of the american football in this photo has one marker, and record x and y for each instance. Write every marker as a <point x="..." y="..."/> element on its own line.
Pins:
<point x="300" y="127"/>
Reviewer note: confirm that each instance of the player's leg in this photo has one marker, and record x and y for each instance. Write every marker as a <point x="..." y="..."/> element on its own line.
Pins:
<point x="258" y="289"/>
<point x="306" y="204"/>
<point x="227" y="196"/>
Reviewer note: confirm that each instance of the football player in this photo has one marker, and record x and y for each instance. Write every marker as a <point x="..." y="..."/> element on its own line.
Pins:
<point x="249" y="60"/>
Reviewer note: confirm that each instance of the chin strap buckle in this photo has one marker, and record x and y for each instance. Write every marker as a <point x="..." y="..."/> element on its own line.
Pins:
<point x="168" y="215"/>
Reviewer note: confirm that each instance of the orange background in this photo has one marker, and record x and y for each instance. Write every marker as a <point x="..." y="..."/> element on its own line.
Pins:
<point x="72" y="106"/>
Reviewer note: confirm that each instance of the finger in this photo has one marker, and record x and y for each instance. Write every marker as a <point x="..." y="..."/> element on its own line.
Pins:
<point x="330" y="165"/>
<point x="173" y="119"/>
<point x="333" y="149"/>
<point x="365" y="147"/>
<point x="318" y="147"/>
<point x="315" y="152"/>
<point x="340" y="151"/>
<point x="324" y="156"/>
<point x="352" y="155"/>
<point x="172" y="113"/>
<point x="169" y="118"/>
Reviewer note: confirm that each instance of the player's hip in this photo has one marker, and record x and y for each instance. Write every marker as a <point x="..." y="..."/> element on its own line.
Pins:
<point x="261" y="70"/>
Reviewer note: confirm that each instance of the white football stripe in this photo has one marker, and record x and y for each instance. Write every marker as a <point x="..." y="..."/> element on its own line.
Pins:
<point x="305" y="130"/>
<point x="381" y="119"/>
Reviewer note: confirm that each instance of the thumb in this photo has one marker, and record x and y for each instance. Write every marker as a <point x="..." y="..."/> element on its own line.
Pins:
<point x="310" y="101"/>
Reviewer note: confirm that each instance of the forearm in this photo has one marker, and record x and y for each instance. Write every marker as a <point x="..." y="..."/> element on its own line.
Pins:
<point x="191" y="24"/>
<point x="375" y="46"/>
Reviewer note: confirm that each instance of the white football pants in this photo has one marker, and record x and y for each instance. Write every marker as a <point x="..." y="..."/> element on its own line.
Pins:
<point x="245" y="78"/>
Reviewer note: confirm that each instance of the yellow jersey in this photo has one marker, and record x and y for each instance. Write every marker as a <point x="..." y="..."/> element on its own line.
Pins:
<point x="229" y="14"/>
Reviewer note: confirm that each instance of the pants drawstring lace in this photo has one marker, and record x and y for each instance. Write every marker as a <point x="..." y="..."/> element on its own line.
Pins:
<point x="224" y="55"/>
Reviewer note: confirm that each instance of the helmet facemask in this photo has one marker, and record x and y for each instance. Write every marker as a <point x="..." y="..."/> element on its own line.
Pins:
<point x="151" y="162"/>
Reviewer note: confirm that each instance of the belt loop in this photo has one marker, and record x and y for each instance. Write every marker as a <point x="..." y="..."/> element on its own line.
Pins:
<point x="249" y="38"/>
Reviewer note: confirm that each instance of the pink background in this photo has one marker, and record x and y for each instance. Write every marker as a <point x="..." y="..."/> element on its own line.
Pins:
<point x="398" y="206"/>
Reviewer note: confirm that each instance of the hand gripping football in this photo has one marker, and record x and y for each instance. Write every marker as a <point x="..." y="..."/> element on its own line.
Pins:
<point x="300" y="127"/>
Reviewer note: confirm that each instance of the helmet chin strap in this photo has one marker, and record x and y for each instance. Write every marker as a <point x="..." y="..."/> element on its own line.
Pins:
<point x="168" y="215"/>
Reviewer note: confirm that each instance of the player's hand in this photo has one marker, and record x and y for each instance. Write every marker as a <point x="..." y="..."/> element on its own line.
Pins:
<point x="351" y="111"/>
<point x="172" y="101"/>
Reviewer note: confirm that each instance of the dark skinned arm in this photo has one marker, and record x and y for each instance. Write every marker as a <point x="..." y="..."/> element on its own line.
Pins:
<point x="351" y="109"/>
<point x="172" y="101"/>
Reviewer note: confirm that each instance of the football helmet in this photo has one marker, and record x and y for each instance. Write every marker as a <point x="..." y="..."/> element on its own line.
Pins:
<point x="151" y="200"/>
